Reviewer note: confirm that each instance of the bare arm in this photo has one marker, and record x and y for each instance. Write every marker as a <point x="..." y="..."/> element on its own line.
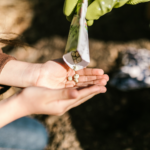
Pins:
<point x="10" y="110"/>
<point x="37" y="100"/>
<point x="19" y="74"/>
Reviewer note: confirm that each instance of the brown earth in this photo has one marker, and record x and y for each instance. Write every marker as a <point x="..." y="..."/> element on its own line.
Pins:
<point x="112" y="121"/>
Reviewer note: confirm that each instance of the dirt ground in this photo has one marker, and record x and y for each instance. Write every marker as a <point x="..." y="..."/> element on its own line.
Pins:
<point x="112" y="121"/>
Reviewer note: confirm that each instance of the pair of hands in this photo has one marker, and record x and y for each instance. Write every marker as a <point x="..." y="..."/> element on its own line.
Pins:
<point x="55" y="94"/>
<point x="96" y="8"/>
<point x="46" y="89"/>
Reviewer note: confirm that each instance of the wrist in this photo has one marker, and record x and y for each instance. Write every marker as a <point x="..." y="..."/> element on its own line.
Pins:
<point x="19" y="74"/>
<point x="31" y="74"/>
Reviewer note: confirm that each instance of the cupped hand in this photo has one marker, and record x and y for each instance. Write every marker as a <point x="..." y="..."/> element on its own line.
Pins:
<point x="54" y="75"/>
<point x="38" y="100"/>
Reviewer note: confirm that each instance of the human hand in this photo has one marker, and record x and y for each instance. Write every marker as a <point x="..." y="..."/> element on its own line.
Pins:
<point x="37" y="100"/>
<point x="54" y="75"/>
<point x="96" y="8"/>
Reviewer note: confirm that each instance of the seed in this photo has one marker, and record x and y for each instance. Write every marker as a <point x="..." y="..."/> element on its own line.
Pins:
<point x="70" y="78"/>
<point x="76" y="80"/>
<point x="79" y="59"/>
<point x="74" y="58"/>
<point x="77" y="54"/>
<point x="75" y="61"/>
<point x="76" y="76"/>
<point x="75" y="68"/>
<point x="73" y="53"/>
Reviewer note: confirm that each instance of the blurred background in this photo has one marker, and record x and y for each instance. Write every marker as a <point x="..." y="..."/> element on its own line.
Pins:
<point x="115" y="120"/>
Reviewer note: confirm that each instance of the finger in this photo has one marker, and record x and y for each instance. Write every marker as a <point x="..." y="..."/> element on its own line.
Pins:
<point x="121" y="3"/>
<point x="93" y="11"/>
<point x="98" y="8"/>
<point x="69" y="85"/>
<point x="90" y="22"/>
<point x="88" y="78"/>
<point x="90" y="72"/>
<point x="85" y="99"/>
<point x="69" y="6"/>
<point x="91" y="78"/>
<point x="63" y="105"/>
<point x="81" y="101"/>
<point x="82" y="94"/>
<point x="97" y="82"/>
<point x="105" y="76"/>
<point x="91" y="90"/>
<point x="102" y="90"/>
<point x="83" y="85"/>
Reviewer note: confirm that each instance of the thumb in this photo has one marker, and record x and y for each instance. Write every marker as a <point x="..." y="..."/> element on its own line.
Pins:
<point x="64" y="94"/>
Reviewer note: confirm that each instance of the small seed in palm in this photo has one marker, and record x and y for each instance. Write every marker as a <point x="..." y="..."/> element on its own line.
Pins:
<point x="76" y="76"/>
<point x="76" y="80"/>
<point x="70" y="78"/>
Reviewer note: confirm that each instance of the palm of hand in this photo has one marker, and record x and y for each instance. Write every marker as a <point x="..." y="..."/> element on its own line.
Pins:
<point x="53" y="74"/>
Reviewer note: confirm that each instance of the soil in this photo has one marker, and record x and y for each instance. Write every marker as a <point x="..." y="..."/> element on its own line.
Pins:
<point x="112" y="121"/>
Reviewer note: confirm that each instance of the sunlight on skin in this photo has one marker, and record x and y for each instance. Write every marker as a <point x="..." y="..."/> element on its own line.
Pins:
<point x="54" y="75"/>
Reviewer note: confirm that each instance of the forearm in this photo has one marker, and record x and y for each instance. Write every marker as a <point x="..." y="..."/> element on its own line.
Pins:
<point x="10" y="110"/>
<point x="19" y="74"/>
